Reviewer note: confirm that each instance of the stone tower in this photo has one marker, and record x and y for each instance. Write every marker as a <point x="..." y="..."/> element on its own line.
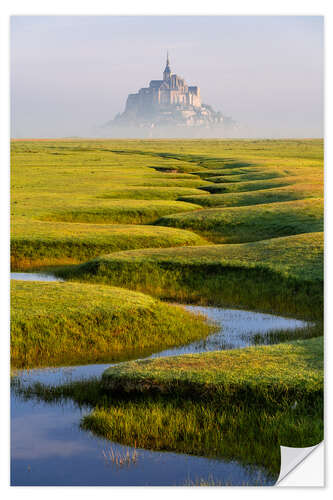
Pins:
<point x="167" y="71"/>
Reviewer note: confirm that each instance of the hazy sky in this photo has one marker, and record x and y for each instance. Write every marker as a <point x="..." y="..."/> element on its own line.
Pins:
<point x="70" y="75"/>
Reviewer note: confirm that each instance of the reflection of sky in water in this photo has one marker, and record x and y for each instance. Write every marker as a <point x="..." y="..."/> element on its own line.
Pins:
<point x="34" y="277"/>
<point x="238" y="329"/>
<point x="62" y="375"/>
<point x="48" y="447"/>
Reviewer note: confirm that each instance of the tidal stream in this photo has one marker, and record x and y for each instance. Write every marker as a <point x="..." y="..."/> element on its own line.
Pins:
<point x="48" y="448"/>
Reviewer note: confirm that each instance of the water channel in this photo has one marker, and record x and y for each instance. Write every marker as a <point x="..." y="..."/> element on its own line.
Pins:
<point x="48" y="447"/>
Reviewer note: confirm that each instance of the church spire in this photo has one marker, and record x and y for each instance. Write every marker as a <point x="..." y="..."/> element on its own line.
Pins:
<point x="167" y="71"/>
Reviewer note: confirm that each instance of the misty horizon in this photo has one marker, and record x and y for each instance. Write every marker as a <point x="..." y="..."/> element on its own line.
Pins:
<point x="71" y="75"/>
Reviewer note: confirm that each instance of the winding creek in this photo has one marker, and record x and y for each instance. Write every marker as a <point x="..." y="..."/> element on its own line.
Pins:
<point x="48" y="448"/>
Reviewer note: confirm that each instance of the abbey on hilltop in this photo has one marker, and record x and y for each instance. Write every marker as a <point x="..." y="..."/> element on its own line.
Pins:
<point x="169" y="102"/>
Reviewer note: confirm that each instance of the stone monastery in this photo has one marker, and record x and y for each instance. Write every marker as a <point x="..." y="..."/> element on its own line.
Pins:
<point x="168" y="102"/>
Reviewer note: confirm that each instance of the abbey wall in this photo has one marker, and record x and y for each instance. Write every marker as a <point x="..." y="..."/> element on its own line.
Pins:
<point x="168" y="102"/>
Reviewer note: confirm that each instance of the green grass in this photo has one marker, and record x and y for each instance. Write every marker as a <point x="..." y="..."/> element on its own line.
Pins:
<point x="284" y="275"/>
<point x="207" y="173"/>
<point x="264" y="375"/>
<point x="121" y="212"/>
<point x="175" y="183"/>
<point x="150" y="193"/>
<point x="74" y="200"/>
<point x="70" y="323"/>
<point x="253" y="393"/>
<point x="236" y="187"/>
<point x="252" y="223"/>
<point x="73" y="179"/>
<point x="136" y="182"/>
<point x="248" y="176"/>
<point x="241" y="432"/>
<point x="261" y="196"/>
<point x="208" y="405"/>
<point x="43" y="243"/>
<point x="223" y="153"/>
<point x="58" y="188"/>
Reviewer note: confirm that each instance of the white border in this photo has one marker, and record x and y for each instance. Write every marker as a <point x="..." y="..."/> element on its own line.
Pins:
<point x="142" y="7"/>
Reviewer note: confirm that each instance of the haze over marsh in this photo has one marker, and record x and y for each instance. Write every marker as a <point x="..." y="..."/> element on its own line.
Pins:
<point x="70" y="75"/>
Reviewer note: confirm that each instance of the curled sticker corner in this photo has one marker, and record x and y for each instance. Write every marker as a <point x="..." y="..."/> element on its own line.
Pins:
<point x="292" y="458"/>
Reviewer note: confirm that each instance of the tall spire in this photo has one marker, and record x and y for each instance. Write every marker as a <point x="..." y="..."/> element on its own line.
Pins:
<point x="167" y="71"/>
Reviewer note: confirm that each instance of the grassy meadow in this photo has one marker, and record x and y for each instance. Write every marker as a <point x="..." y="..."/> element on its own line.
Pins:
<point x="217" y="405"/>
<point x="264" y="375"/>
<point x="240" y="388"/>
<point x="64" y="191"/>
<point x="257" y="197"/>
<point x="48" y="244"/>
<point x="133" y="225"/>
<point x="269" y="271"/>
<point x="70" y="323"/>
<point x="252" y="223"/>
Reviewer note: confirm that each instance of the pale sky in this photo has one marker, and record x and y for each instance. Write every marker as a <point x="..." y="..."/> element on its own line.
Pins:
<point x="70" y="75"/>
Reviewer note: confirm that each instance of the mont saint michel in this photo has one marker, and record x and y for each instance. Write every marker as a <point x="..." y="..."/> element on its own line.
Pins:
<point x="170" y="102"/>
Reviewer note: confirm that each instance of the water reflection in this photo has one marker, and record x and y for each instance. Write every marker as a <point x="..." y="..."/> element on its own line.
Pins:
<point x="238" y="329"/>
<point x="49" y="448"/>
<point x="34" y="277"/>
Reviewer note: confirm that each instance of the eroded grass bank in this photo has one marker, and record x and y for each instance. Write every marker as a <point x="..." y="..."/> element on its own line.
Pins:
<point x="70" y="323"/>
<point x="240" y="432"/>
<point x="45" y="244"/>
<point x="283" y="275"/>
<point x="240" y="404"/>
<point x="259" y="197"/>
<point x="252" y="223"/>
<point x="264" y="375"/>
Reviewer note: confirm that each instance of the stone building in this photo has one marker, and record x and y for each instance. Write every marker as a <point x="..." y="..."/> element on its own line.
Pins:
<point x="168" y="102"/>
<point x="171" y="91"/>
